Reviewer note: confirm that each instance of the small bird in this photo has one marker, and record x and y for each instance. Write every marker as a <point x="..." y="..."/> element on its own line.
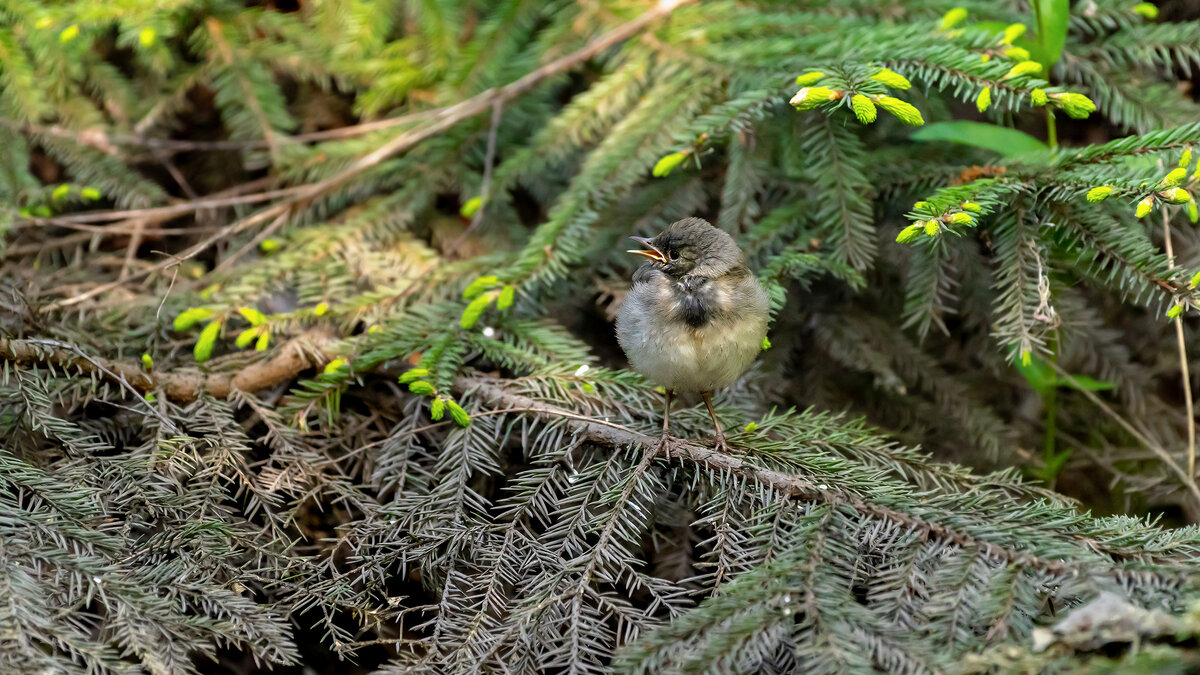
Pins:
<point x="695" y="317"/>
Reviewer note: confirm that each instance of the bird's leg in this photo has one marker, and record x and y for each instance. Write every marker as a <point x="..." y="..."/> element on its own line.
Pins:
<point x="664" y="443"/>
<point x="720" y="445"/>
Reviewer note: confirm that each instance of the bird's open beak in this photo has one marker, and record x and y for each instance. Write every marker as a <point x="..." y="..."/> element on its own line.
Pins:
<point x="650" y="251"/>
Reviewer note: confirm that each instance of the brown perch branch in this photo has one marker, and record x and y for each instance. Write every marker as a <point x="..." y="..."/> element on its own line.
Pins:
<point x="297" y="355"/>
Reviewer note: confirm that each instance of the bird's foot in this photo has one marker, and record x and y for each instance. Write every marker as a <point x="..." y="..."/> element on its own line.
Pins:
<point x="663" y="446"/>
<point x="720" y="445"/>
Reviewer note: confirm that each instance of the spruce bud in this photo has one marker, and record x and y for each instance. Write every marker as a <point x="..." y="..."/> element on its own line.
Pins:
<point x="507" y="295"/>
<point x="421" y="387"/>
<point x="1023" y="68"/>
<point x="1013" y="32"/>
<point x="1175" y="196"/>
<point x="909" y="233"/>
<point x="206" y="342"/>
<point x="460" y="416"/>
<point x="1017" y="54"/>
<point x="902" y="110"/>
<point x="863" y="108"/>
<point x="190" y="317"/>
<point x="984" y="100"/>
<point x="891" y="79"/>
<point x="413" y="374"/>
<point x="1146" y="9"/>
<point x="245" y="337"/>
<point x="1077" y="106"/>
<point x="808" y="79"/>
<point x="1175" y="177"/>
<point x="953" y="18"/>
<point x="667" y="164"/>
<point x="811" y="97"/>
<point x="474" y="310"/>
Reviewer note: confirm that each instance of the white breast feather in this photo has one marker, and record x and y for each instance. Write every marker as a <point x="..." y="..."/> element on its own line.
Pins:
<point x="677" y="356"/>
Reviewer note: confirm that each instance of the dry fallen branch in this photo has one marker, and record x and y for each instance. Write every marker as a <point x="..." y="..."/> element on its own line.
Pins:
<point x="295" y="356"/>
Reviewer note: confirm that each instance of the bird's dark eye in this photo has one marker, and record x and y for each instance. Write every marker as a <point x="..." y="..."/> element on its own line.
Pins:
<point x="673" y="254"/>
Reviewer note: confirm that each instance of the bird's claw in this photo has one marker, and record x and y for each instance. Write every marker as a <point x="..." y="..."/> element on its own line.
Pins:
<point x="719" y="445"/>
<point x="663" y="447"/>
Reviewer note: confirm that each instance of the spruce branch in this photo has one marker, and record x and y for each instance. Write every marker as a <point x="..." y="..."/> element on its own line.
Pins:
<point x="250" y="98"/>
<point x="445" y="119"/>
<point x="788" y="485"/>
<point x="503" y="506"/>
<point x="305" y="352"/>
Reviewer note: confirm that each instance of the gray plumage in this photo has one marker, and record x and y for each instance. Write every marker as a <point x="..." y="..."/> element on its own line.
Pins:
<point x="695" y="317"/>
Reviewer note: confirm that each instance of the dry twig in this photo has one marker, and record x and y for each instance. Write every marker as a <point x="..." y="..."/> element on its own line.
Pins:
<point x="297" y="355"/>
<point x="1183" y="361"/>
<point x="1188" y="481"/>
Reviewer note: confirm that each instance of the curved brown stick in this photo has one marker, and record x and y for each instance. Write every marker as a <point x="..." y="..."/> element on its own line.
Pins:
<point x="297" y="355"/>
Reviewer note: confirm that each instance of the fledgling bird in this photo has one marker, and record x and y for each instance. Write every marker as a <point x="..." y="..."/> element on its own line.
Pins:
<point x="695" y="317"/>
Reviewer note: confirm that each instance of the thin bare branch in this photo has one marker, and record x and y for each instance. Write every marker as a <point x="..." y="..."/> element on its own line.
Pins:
<point x="1187" y="480"/>
<point x="1183" y="360"/>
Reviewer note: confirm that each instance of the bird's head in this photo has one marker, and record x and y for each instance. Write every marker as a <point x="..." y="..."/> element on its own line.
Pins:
<point x="691" y="246"/>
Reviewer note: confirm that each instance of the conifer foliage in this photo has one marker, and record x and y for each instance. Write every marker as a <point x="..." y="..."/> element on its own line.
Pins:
<point x="305" y="358"/>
